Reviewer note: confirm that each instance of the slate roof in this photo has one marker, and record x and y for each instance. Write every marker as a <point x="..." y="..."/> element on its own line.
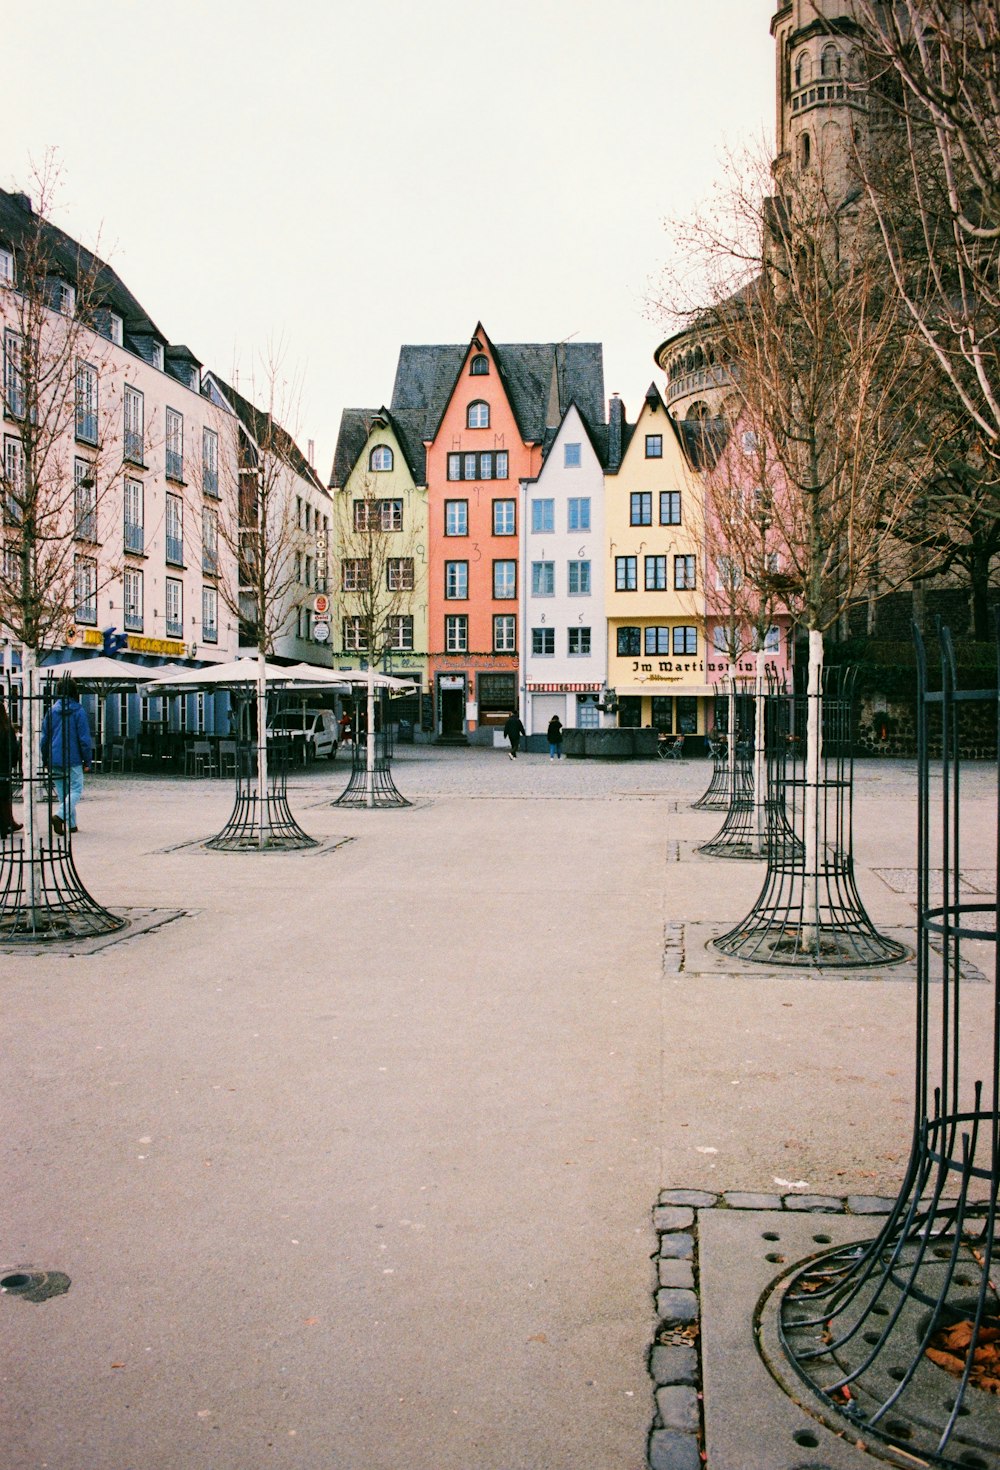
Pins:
<point x="355" y="429"/>
<point x="18" y="223"/>
<point x="262" y="429"/>
<point x="426" y="377"/>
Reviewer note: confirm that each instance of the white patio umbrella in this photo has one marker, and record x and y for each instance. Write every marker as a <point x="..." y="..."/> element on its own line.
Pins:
<point x="237" y="673"/>
<point x="103" y="671"/>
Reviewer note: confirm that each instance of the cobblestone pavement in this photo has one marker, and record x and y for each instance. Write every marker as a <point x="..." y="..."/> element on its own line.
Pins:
<point x="352" y="1157"/>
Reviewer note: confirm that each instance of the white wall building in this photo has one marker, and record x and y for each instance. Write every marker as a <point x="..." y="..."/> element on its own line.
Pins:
<point x="564" y="653"/>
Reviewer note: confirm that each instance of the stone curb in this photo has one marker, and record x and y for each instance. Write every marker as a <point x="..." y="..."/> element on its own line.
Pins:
<point x="677" y="1436"/>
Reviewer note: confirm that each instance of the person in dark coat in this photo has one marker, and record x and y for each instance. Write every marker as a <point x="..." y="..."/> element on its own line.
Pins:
<point x="67" y="750"/>
<point x="513" y="730"/>
<point x="554" y="737"/>
<point x="8" y="762"/>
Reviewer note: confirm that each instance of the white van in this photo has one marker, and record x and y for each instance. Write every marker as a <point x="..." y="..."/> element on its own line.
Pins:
<point x="316" y="727"/>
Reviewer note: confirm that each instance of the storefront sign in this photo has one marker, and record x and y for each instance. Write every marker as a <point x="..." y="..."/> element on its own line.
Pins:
<point x="136" y="644"/>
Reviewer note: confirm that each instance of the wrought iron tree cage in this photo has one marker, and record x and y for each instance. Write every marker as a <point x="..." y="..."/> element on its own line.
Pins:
<point x="42" y="896"/>
<point x="260" y="823"/>
<point x="718" y="794"/>
<point x="809" y="912"/>
<point x="900" y="1335"/>
<point x="371" y="783"/>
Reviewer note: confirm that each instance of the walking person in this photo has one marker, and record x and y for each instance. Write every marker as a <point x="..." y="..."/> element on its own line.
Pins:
<point x="513" y="730"/>
<point x="67" y="750"/>
<point x="8" y="762"/>
<point x="554" y="737"/>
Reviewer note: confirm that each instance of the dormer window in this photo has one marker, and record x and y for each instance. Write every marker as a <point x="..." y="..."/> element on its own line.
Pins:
<point x="156" y="356"/>
<point x="7" y="267"/>
<point x="477" y="415"/>
<point x="480" y="365"/>
<point x="109" y="325"/>
<point x="62" y="296"/>
<point x="380" y="458"/>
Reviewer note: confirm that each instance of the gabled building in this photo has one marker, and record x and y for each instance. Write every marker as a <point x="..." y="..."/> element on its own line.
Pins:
<point x="564" y="658"/>
<point x="489" y="413"/>
<point x="655" y="587"/>
<point x="378" y="471"/>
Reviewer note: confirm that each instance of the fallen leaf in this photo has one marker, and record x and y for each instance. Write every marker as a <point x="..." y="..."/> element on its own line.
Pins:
<point x="538" y="1337"/>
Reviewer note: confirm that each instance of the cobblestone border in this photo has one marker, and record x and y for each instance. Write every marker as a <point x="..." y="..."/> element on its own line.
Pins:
<point x="677" y="1436"/>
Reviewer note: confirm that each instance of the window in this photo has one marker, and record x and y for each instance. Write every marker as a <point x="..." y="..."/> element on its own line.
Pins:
<point x="641" y="508"/>
<point x="504" y="633"/>
<point x="175" y="445"/>
<point x="629" y="642"/>
<point x="578" y="583"/>
<point x="830" y="62"/>
<point x="579" y="642"/>
<point x="587" y="713"/>
<point x="354" y="635"/>
<point x="209" y="615"/>
<point x="456" y="581"/>
<point x="728" y="574"/>
<point x="62" y="296"/>
<point x="571" y="456"/>
<point x="133" y="600"/>
<point x="85" y="589"/>
<point x="654" y="446"/>
<point x="7" y="267"/>
<point x="480" y="365"/>
<point x="477" y="415"/>
<point x="175" y="530"/>
<point x="134" y="424"/>
<point x="656" y="640"/>
<point x="772" y="640"/>
<point x="456" y="633"/>
<point x="365" y="514"/>
<point x="685" y="578"/>
<point x="391" y="515"/>
<point x="625" y="573"/>
<point x="84" y="501"/>
<point x="656" y="573"/>
<point x="487" y="464"/>
<point x="13" y="469"/>
<point x="354" y="574"/>
<point x="210" y="462"/>
<point x="685" y="639"/>
<point x="399" y="573"/>
<point x="399" y="633"/>
<point x="380" y="458"/>
<point x="543" y="642"/>
<point x="578" y="513"/>
<point x="109" y="324"/>
<point x="504" y="518"/>
<point x="132" y="517"/>
<point x="86" y="402"/>
<point x="504" y="580"/>
<point x="543" y="516"/>
<point x="13" y="375"/>
<point x="209" y="540"/>
<point x="670" y="507"/>
<point x="456" y="518"/>
<point x="720" y="640"/>
<point x="175" y="608"/>
<point x="543" y="579"/>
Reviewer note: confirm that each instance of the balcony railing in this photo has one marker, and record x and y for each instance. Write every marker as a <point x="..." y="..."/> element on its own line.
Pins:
<point x="175" y="627"/>
<point x="174" y="465"/>
<point x="133" y="447"/>
<point x="85" y="528"/>
<point x="133" y="622"/>
<point x="175" y="551"/>
<point x="135" y="538"/>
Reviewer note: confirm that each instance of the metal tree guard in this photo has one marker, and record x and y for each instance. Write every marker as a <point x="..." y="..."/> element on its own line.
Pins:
<point x="900" y="1334"/>
<point x="371" y="783"/>
<point x="716" y="797"/>
<point x="42" y="896"/>
<point x="756" y="824"/>
<point x="809" y="912"/>
<point x="257" y="825"/>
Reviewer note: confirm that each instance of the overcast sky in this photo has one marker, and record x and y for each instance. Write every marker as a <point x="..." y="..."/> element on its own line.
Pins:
<point x="345" y="177"/>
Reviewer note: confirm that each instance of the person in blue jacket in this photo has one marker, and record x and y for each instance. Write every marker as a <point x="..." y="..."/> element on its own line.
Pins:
<point x="67" y="750"/>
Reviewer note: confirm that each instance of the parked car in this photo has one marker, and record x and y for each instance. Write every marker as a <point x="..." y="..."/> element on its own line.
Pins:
<point x="317" y="728"/>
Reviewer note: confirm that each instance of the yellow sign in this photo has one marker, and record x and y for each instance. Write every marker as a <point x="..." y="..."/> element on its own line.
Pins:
<point x="169" y="646"/>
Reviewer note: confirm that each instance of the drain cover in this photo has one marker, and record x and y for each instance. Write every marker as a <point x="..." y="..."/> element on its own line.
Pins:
<point x="34" y="1286"/>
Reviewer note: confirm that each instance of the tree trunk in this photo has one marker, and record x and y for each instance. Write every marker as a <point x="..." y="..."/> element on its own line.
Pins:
<point x="263" y="808"/>
<point x="811" y="802"/>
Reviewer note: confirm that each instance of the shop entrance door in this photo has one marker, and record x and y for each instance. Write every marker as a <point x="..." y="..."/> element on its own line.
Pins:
<point x="452" y="711"/>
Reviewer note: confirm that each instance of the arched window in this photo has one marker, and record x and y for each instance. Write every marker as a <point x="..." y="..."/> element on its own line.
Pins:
<point x="480" y="365"/>
<point x="477" y="415"/>
<point x="802" y="68"/>
<point x="805" y="150"/>
<point x="830" y="63"/>
<point x="380" y="458"/>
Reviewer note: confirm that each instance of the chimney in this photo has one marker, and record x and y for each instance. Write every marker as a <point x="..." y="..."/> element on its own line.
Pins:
<point x="616" y="426"/>
<point x="311" y="452"/>
<point x="24" y="201"/>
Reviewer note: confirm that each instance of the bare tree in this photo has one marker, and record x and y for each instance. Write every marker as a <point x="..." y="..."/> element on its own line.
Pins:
<point x="64" y="458"/>
<point x="377" y="583"/>
<point x="929" y="159"/>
